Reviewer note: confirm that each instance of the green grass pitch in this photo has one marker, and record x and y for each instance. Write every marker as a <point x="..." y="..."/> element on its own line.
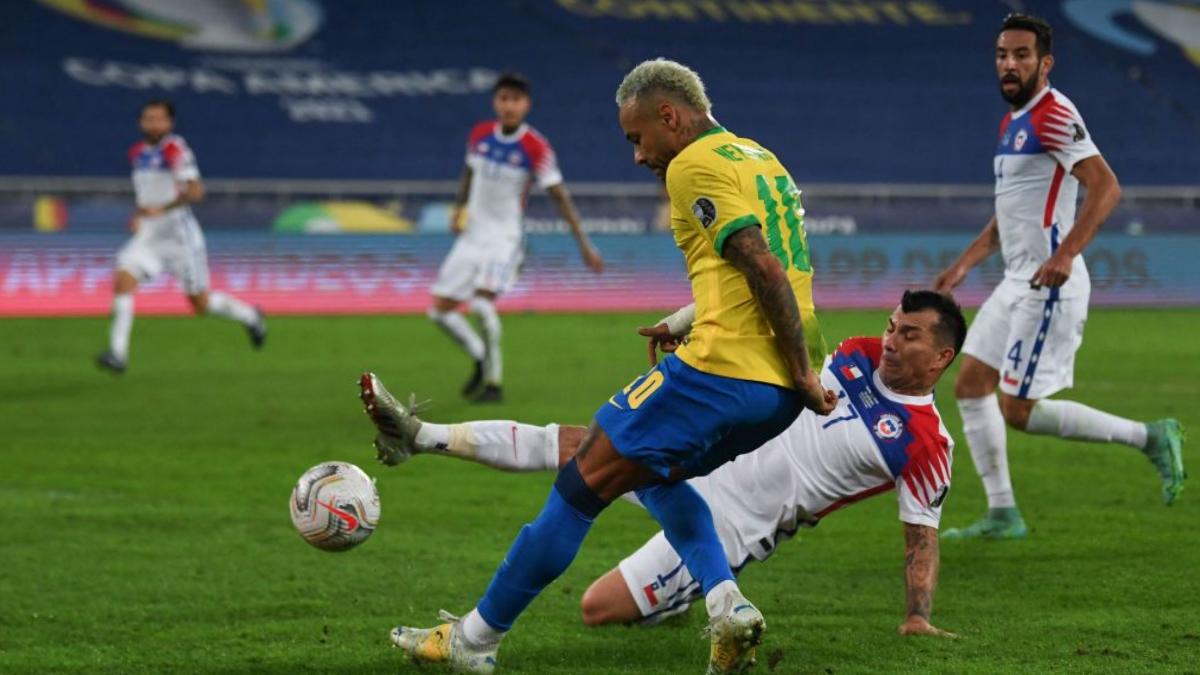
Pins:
<point x="146" y="528"/>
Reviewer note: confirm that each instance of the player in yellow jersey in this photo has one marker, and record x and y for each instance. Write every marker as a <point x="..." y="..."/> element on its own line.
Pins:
<point x="741" y="379"/>
<point x="719" y="185"/>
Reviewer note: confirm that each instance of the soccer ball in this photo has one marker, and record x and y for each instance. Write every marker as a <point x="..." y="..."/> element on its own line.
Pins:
<point x="335" y="506"/>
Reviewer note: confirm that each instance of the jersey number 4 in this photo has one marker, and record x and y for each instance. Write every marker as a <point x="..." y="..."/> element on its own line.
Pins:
<point x="793" y="215"/>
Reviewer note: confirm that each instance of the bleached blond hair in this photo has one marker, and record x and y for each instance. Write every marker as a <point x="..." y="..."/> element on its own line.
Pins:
<point x="664" y="76"/>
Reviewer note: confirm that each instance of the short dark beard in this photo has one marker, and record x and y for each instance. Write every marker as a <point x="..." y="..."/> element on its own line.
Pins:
<point x="1024" y="93"/>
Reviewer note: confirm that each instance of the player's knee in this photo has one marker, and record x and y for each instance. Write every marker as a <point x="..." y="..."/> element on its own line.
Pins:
<point x="593" y="608"/>
<point x="481" y="305"/>
<point x="1016" y="411"/>
<point x="973" y="381"/>
<point x="199" y="303"/>
<point x="575" y="491"/>
<point x="442" y="306"/>
<point x="485" y="310"/>
<point x="124" y="282"/>
<point x="569" y="440"/>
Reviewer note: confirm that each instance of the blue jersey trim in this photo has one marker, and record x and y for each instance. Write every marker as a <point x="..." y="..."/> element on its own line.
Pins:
<point x="872" y="407"/>
<point x="1044" y="329"/>
<point x="1031" y="144"/>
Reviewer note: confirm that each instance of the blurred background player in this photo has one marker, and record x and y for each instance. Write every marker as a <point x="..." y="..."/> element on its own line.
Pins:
<point x="504" y="157"/>
<point x="1026" y="334"/>
<point x="166" y="180"/>
<point x="893" y="437"/>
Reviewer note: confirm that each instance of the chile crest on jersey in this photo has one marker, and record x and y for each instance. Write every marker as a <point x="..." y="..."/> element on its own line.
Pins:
<point x="886" y="420"/>
<point x="1018" y="137"/>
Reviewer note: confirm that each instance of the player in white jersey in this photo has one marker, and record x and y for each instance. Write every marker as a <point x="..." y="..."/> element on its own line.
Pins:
<point x="166" y="236"/>
<point x="885" y="433"/>
<point x="505" y="157"/>
<point x="1026" y="334"/>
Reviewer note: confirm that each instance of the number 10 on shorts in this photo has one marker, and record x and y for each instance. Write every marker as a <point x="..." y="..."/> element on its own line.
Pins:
<point x="639" y="390"/>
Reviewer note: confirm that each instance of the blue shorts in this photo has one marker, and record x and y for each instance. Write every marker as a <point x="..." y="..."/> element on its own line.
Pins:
<point x="677" y="416"/>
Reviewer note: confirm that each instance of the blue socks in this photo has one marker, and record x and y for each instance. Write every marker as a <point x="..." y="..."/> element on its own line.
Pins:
<point x="688" y="524"/>
<point x="543" y="550"/>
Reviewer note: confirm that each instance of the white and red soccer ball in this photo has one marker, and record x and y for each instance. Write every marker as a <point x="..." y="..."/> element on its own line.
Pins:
<point x="335" y="506"/>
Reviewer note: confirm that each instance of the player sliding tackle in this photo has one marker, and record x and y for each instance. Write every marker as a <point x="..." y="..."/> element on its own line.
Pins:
<point x="740" y="380"/>
<point x="884" y="433"/>
<point x="1025" y="336"/>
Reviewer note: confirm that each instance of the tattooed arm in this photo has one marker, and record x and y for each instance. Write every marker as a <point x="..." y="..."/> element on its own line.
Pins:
<point x="920" y="575"/>
<point x="747" y="251"/>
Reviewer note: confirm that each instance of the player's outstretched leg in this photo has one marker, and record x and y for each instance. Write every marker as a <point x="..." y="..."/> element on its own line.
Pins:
<point x="501" y="444"/>
<point x="228" y="307"/>
<point x="1161" y="442"/>
<point x="447" y="644"/>
<point x="542" y="551"/>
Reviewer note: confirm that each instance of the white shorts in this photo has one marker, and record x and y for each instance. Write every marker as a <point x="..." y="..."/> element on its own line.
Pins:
<point x="1031" y="341"/>
<point x="173" y="244"/>
<point x="659" y="581"/>
<point x="471" y="266"/>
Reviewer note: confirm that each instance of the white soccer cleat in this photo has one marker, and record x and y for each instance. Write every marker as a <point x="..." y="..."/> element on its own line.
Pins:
<point x="445" y="644"/>
<point x="397" y="424"/>
<point x="734" y="634"/>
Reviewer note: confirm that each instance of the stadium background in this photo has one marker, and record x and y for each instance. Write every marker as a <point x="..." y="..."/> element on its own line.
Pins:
<point x="309" y="120"/>
<point x="146" y="525"/>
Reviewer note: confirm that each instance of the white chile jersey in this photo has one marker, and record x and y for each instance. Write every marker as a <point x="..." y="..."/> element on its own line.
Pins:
<point x="875" y="440"/>
<point x="1038" y="147"/>
<point x="503" y="167"/>
<point x="159" y="169"/>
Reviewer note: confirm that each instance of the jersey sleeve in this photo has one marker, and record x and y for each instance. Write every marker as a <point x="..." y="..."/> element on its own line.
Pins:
<point x="1064" y="135"/>
<point x="923" y="484"/>
<point x="134" y="151"/>
<point x="542" y="160"/>
<point x="181" y="161"/>
<point x="479" y="132"/>
<point x="710" y="200"/>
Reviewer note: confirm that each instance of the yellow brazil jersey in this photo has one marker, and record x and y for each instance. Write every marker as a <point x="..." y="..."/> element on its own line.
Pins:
<point x="718" y="185"/>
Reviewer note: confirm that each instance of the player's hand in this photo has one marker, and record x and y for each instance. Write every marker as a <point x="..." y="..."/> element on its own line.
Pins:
<point x="916" y="625"/>
<point x="660" y="338"/>
<point x="456" y="220"/>
<point x="592" y="257"/>
<point x="1053" y="273"/>
<point x="150" y="211"/>
<point x="949" y="279"/>
<point x="814" y="395"/>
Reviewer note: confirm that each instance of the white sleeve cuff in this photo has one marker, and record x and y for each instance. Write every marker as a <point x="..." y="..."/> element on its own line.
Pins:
<point x="680" y="323"/>
<point x="920" y="519"/>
